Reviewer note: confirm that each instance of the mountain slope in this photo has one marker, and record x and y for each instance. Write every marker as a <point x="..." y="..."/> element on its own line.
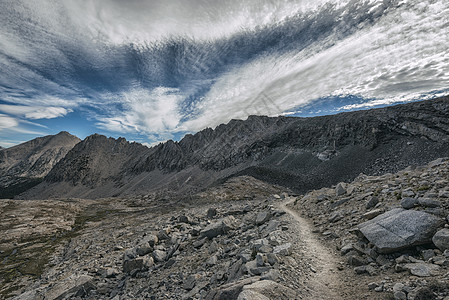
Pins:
<point x="26" y="164"/>
<point x="300" y="153"/>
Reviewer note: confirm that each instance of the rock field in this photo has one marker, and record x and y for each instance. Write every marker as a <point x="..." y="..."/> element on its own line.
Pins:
<point x="383" y="237"/>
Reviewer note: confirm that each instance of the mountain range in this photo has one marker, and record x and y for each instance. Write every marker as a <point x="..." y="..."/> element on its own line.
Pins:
<point x="299" y="153"/>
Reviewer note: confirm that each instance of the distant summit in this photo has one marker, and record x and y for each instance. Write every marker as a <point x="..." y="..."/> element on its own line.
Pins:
<point x="25" y="165"/>
<point x="299" y="153"/>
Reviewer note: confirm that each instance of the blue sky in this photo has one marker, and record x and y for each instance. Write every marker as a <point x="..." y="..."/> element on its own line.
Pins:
<point x="155" y="70"/>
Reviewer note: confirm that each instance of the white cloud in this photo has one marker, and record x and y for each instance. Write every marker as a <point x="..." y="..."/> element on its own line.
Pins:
<point x="34" y="112"/>
<point x="7" y="122"/>
<point x="401" y="57"/>
<point x="13" y="125"/>
<point x="155" y="111"/>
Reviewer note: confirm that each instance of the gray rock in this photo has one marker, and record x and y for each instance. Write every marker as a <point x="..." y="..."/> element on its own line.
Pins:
<point x="111" y="273"/>
<point x="408" y="202"/>
<point x="184" y="219"/>
<point x="189" y="282"/>
<point x="427" y="202"/>
<point x="272" y="259"/>
<point x="262" y="217"/>
<point x="346" y="248"/>
<point x="231" y="290"/>
<point x="335" y="217"/>
<point x="398" y="287"/>
<point x="443" y="194"/>
<point x="259" y="243"/>
<point x="220" y="227"/>
<point x="143" y="250"/>
<point x="151" y="239"/>
<point x="251" y="295"/>
<point x="245" y="256"/>
<point x="260" y="260"/>
<point x="407" y="193"/>
<point x="272" y="226"/>
<point x="140" y="264"/>
<point x="271" y="289"/>
<point x="398" y="229"/>
<point x="211" y="212"/>
<point x="372" y="202"/>
<point x="366" y="269"/>
<point x="441" y="239"/>
<point x="422" y="269"/>
<point x="427" y="254"/>
<point x="272" y="274"/>
<point x="212" y="261"/>
<point x="70" y="285"/>
<point x="400" y="295"/>
<point x="159" y="255"/>
<point x="355" y="260"/>
<point x="199" y="243"/>
<point x="283" y="250"/>
<point x="129" y="254"/>
<point x="163" y="234"/>
<point x="372" y="214"/>
<point x="340" y="189"/>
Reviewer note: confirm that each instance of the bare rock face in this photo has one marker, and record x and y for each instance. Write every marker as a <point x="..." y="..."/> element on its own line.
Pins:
<point x="398" y="229"/>
<point x="26" y="164"/>
<point x="279" y="150"/>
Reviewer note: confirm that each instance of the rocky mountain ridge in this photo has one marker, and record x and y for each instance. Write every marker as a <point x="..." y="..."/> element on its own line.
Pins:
<point x="26" y="164"/>
<point x="300" y="153"/>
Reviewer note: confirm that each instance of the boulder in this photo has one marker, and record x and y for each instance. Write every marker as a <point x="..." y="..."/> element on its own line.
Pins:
<point x="262" y="217"/>
<point x="399" y="228"/>
<point x="220" y="227"/>
<point x="441" y="239"/>
<point x="408" y="202"/>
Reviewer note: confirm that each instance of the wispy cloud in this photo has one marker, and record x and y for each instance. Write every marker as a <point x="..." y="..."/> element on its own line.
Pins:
<point x="157" y="68"/>
<point x="34" y="112"/>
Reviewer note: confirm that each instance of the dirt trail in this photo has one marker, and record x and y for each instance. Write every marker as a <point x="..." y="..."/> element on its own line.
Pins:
<point x="325" y="282"/>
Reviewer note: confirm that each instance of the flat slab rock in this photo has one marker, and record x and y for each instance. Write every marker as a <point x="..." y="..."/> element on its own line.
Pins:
<point x="399" y="229"/>
<point x="422" y="269"/>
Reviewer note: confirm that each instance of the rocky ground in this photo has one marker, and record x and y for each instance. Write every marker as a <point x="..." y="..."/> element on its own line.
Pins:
<point x="373" y="238"/>
<point x="391" y="230"/>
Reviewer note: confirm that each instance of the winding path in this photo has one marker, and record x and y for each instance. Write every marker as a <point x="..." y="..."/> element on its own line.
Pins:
<point x="324" y="282"/>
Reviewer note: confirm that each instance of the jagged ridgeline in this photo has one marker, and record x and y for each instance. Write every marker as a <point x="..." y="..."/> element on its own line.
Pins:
<point x="299" y="153"/>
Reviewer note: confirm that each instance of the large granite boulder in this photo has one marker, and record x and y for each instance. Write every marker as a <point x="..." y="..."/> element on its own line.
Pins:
<point x="399" y="228"/>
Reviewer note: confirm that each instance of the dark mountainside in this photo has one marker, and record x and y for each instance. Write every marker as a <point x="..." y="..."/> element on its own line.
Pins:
<point x="299" y="153"/>
<point x="24" y="165"/>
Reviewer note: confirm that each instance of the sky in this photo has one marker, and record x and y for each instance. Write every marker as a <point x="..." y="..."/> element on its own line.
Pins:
<point x="155" y="70"/>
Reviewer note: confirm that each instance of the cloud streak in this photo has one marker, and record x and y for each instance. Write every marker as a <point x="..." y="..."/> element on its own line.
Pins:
<point x="158" y="68"/>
